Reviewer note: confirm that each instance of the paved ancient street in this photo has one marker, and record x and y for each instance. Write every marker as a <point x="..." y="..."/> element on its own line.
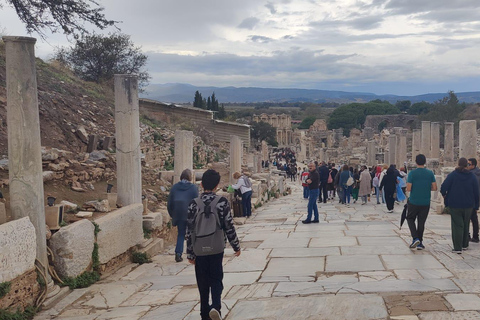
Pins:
<point x="354" y="264"/>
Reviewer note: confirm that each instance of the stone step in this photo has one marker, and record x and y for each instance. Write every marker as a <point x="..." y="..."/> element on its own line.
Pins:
<point x="52" y="301"/>
<point x="154" y="248"/>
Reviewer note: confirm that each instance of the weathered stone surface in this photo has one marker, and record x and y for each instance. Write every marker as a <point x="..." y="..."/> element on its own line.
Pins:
<point x="72" y="247"/>
<point x="68" y="205"/>
<point x="99" y="206"/>
<point x="82" y="134"/>
<point x="352" y="307"/>
<point x="3" y="213"/>
<point x="97" y="155"/>
<point x="17" y="248"/>
<point x="152" y="220"/>
<point x="183" y="153"/>
<point x="464" y="302"/>
<point x="120" y="230"/>
<point x="84" y="214"/>
<point x="48" y="176"/>
<point x="468" y="139"/>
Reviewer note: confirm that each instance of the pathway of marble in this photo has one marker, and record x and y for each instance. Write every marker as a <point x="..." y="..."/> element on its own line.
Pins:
<point x="354" y="264"/>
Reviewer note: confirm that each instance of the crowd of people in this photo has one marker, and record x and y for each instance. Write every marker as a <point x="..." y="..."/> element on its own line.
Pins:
<point x="323" y="182"/>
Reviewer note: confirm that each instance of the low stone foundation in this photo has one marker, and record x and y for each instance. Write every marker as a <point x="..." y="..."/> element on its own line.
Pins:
<point x="24" y="290"/>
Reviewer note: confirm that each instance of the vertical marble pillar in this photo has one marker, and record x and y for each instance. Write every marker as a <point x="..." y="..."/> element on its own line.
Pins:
<point x="127" y="134"/>
<point x="468" y="139"/>
<point x="236" y="156"/>
<point x="435" y="140"/>
<point x="24" y="143"/>
<point x="392" y="152"/>
<point x="401" y="148"/>
<point x="183" y="153"/>
<point x="416" y="143"/>
<point x="264" y="150"/>
<point x="426" y="139"/>
<point x="371" y="153"/>
<point x="448" y="150"/>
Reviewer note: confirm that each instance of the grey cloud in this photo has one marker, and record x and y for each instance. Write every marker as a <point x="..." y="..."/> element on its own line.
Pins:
<point x="270" y="6"/>
<point x="415" y="6"/>
<point x="249" y="23"/>
<point x="261" y="39"/>
<point x="361" y="23"/>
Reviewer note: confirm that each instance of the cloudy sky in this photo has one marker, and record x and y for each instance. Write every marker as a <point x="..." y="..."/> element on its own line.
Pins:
<point x="403" y="47"/>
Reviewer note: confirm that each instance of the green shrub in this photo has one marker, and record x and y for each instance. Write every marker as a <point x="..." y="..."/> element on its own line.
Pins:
<point x="140" y="258"/>
<point x="84" y="280"/>
<point x="27" y="314"/>
<point x="147" y="234"/>
<point x="5" y="288"/>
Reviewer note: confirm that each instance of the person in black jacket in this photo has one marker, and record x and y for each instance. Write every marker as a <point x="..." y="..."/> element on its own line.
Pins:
<point x="323" y="172"/>
<point x="313" y="182"/>
<point x="389" y="185"/>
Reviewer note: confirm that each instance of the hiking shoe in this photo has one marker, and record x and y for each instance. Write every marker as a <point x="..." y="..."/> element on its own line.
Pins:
<point x="178" y="257"/>
<point x="457" y="251"/>
<point x="476" y="240"/>
<point x="420" y="246"/>
<point x="415" y="243"/>
<point x="315" y="221"/>
<point x="306" y="221"/>
<point x="214" y="314"/>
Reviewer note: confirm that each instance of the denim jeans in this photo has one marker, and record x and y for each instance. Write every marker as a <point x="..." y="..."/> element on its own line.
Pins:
<point x="312" y="204"/>
<point x="346" y="194"/>
<point x="247" y="203"/>
<point x="379" y="194"/>
<point x="306" y="192"/>
<point x="209" y="274"/>
<point x="182" y="228"/>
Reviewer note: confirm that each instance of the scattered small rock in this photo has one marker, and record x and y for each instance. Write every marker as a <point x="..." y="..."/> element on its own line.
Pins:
<point x="84" y="214"/>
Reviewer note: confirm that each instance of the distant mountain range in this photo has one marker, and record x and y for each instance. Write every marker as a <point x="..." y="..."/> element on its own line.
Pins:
<point x="181" y="93"/>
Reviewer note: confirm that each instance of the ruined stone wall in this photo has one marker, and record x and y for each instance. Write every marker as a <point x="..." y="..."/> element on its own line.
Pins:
<point x="393" y="120"/>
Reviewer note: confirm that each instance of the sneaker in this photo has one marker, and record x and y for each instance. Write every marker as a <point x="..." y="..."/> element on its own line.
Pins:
<point x="315" y="221"/>
<point x="457" y="251"/>
<point x="378" y="202"/>
<point x="178" y="257"/>
<point x="390" y="211"/>
<point x="476" y="240"/>
<point x="420" y="246"/>
<point x="465" y="249"/>
<point x="415" y="243"/>
<point x="306" y="221"/>
<point x="214" y="314"/>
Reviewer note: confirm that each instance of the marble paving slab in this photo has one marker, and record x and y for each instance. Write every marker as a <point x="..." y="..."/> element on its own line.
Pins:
<point x="353" y="263"/>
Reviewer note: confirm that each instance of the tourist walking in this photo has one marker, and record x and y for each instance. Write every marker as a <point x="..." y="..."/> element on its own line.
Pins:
<point x="420" y="183"/>
<point x="306" y="189"/>
<point x="313" y="183"/>
<point x="346" y="182"/>
<point x="388" y="187"/>
<point x="324" y="174"/>
<point x="461" y="193"/>
<point x="472" y="166"/>
<point x="330" y="184"/>
<point x="245" y="186"/>
<point x="181" y="194"/>
<point x="376" y="184"/>
<point x="365" y="185"/>
<point x="338" y="186"/>
<point x="209" y="223"/>
<point x="356" y="184"/>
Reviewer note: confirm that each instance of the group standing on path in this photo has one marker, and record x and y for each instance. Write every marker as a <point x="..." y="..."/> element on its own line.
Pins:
<point x="460" y="191"/>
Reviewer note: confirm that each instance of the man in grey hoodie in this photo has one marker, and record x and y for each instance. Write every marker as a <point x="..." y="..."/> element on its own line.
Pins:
<point x="472" y="166"/>
<point x="181" y="194"/>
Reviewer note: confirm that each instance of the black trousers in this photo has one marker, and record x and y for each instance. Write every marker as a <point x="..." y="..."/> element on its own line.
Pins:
<point x="323" y="192"/>
<point x="474" y="219"/>
<point x="389" y="200"/>
<point x="419" y="213"/>
<point x="209" y="274"/>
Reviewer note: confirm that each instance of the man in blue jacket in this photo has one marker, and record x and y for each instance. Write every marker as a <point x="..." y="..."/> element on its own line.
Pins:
<point x="460" y="190"/>
<point x="181" y="194"/>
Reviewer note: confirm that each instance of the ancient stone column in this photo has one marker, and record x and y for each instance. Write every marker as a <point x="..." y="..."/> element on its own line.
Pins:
<point x="127" y="134"/>
<point x="435" y="140"/>
<point x="401" y="148"/>
<point x="236" y="156"/>
<point x="416" y="143"/>
<point x="426" y="139"/>
<point x="264" y="150"/>
<point x="392" y="152"/>
<point x="371" y="153"/>
<point x="183" y="153"/>
<point x="24" y="145"/>
<point x="468" y="139"/>
<point x="448" y="150"/>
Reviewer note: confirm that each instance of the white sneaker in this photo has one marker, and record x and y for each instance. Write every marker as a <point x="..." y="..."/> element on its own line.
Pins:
<point x="214" y="314"/>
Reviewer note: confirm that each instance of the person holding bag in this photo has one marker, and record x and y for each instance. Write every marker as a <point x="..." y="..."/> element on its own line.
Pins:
<point x="346" y="182"/>
<point x="245" y="186"/>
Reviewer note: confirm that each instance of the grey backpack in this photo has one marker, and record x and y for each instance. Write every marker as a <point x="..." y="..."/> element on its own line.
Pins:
<point x="208" y="237"/>
<point x="247" y="181"/>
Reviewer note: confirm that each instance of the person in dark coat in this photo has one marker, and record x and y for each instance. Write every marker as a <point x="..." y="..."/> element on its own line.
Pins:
<point x="389" y="186"/>
<point x="461" y="193"/>
<point x="324" y="172"/>
<point x="181" y="194"/>
<point x="347" y="190"/>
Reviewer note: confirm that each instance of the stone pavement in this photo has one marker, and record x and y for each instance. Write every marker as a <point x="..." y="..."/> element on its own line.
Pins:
<point x="354" y="264"/>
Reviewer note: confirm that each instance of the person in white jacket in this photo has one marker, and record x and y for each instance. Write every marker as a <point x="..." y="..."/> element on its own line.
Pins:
<point x="245" y="186"/>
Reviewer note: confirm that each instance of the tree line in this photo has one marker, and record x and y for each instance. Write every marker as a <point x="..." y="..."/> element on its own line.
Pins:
<point x="211" y="103"/>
